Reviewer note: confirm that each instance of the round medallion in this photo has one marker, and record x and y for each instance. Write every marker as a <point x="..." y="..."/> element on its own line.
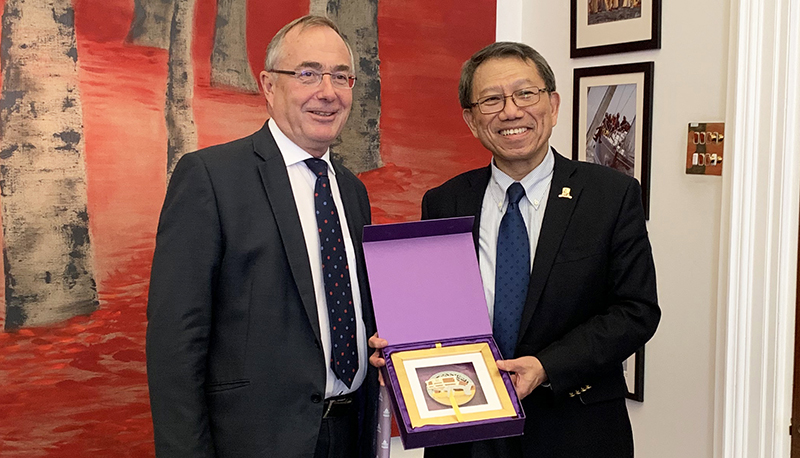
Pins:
<point x="441" y="384"/>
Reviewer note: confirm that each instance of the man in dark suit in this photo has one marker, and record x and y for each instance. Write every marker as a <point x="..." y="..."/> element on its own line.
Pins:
<point x="259" y="310"/>
<point x="565" y="259"/>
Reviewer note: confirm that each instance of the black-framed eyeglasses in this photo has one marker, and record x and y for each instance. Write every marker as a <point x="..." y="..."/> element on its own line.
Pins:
<point x="312" y="77"/>
<point x="496" y="102"/>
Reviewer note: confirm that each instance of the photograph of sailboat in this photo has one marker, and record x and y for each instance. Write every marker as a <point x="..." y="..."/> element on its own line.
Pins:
<point x="612" y="118"/>
<point x="611" y="135"/>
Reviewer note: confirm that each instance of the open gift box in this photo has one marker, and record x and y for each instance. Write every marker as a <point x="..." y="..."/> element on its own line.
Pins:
<point x="440" y="363"/>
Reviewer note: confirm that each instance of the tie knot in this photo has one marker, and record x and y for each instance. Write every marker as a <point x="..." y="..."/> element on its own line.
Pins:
<point x="515" y="193"/>
<point x="318" y="166"/>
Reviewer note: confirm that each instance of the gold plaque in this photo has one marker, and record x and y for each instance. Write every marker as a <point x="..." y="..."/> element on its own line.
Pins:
<point x="451" y="385"/>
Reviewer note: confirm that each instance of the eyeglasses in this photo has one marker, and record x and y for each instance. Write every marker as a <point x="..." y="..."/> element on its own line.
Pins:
<point x="522" y="98"/>
<point x="311" y="77"/>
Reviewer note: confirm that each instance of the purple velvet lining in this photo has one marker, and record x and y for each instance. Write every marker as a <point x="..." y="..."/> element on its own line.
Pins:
<point x="426" y="288"/>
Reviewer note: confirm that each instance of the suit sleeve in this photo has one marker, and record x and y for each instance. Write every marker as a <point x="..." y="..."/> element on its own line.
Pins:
<point x="427" y="211"/>
<point x="179" y="310"/>
<point x="424" y="213"/>
<point x="630" y="312"/>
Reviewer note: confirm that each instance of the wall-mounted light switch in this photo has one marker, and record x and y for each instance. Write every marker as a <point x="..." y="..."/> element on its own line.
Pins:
<point x="704" y="148"/>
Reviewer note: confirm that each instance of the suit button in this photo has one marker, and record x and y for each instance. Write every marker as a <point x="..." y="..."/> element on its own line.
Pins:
<point x="316" y="398"/>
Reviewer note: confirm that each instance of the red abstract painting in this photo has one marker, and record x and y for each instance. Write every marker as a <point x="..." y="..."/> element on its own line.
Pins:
<point x="78" y="387"/>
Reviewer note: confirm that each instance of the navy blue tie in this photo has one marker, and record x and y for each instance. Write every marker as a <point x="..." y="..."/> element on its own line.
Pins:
<point x="336" y="274"/>
<point x="512" y="273"/>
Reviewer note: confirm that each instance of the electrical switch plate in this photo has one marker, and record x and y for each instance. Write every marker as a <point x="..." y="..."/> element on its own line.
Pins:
<point x="704" y="148"/>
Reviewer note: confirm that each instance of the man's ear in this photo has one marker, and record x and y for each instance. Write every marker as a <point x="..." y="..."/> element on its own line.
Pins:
<point x="469" y="118"/>
<point x="267" y="85"/>
<point x="555" y="103"/>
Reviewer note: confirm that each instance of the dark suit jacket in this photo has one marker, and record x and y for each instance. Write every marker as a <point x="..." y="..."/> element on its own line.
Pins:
<point x="591" y="303"/>
<point x="234" y="360"/>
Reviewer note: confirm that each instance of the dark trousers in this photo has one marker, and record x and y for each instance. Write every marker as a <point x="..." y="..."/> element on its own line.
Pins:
<point x="338" y="436"/>
<point x="564" y="428"/>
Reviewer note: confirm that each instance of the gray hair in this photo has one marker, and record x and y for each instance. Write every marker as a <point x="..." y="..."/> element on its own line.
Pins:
<point x="502" y="49"/>
<point x="274" y="49"/>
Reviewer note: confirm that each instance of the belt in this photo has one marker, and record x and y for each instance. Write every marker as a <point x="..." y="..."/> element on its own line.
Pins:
<point x="339" y="406"/>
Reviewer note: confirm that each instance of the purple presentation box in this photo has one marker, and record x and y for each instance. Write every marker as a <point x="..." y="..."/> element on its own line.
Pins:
<point x="426" y="289"/>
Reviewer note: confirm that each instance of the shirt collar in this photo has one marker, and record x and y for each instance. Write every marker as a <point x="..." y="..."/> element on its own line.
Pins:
<point x="535" y="182"/>
<point x="293" y="154"/>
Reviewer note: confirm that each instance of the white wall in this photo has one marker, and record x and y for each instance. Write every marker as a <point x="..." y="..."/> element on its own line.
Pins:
<point x="677" y="417"/>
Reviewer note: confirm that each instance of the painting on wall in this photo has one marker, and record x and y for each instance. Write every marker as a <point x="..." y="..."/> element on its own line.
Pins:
<point x="614" y="26"/>
<point x="99" y="101"/>
<point x="612" y="119"/>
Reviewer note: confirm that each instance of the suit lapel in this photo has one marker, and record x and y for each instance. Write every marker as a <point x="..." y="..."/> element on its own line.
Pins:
<point x="554" y="225"/>
<point x="471" y="203"/>
<point x="281" y="199"/>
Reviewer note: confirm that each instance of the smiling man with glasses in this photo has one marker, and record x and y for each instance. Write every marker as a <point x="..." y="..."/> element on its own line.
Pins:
<point x="258" y="310"/>
<point x="566" y="264"/>
<point x="565" y="259"/>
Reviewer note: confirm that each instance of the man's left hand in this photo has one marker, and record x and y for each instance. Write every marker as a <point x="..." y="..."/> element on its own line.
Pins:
<point x="527" y="373"/>
<point x="375" y="358"/>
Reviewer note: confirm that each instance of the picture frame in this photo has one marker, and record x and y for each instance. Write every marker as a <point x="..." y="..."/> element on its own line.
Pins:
<point x="612" y="119"/>
<point x="482" y="391"/>
<point x="633" y="368"/>
<point x="614" y="26"/>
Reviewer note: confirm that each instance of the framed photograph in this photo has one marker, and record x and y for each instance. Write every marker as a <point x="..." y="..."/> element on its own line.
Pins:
<point x="449" y="385"/>
<point x="612" y="120"/>
<point x="633" y="368"/>
<point x="614" y="26"/>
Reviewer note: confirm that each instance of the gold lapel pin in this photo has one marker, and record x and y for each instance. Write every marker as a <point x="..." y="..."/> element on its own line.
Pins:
<point x="565" y="193"/>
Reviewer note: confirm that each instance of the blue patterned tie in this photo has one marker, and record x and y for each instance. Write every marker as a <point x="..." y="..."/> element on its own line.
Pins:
<point x="335" y="272"/>
<point x="512" y="273"/>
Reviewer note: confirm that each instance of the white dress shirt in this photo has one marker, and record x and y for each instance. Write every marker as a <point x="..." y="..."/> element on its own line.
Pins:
<point x="495" y="202"/>
<point x="303" y="181"/>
